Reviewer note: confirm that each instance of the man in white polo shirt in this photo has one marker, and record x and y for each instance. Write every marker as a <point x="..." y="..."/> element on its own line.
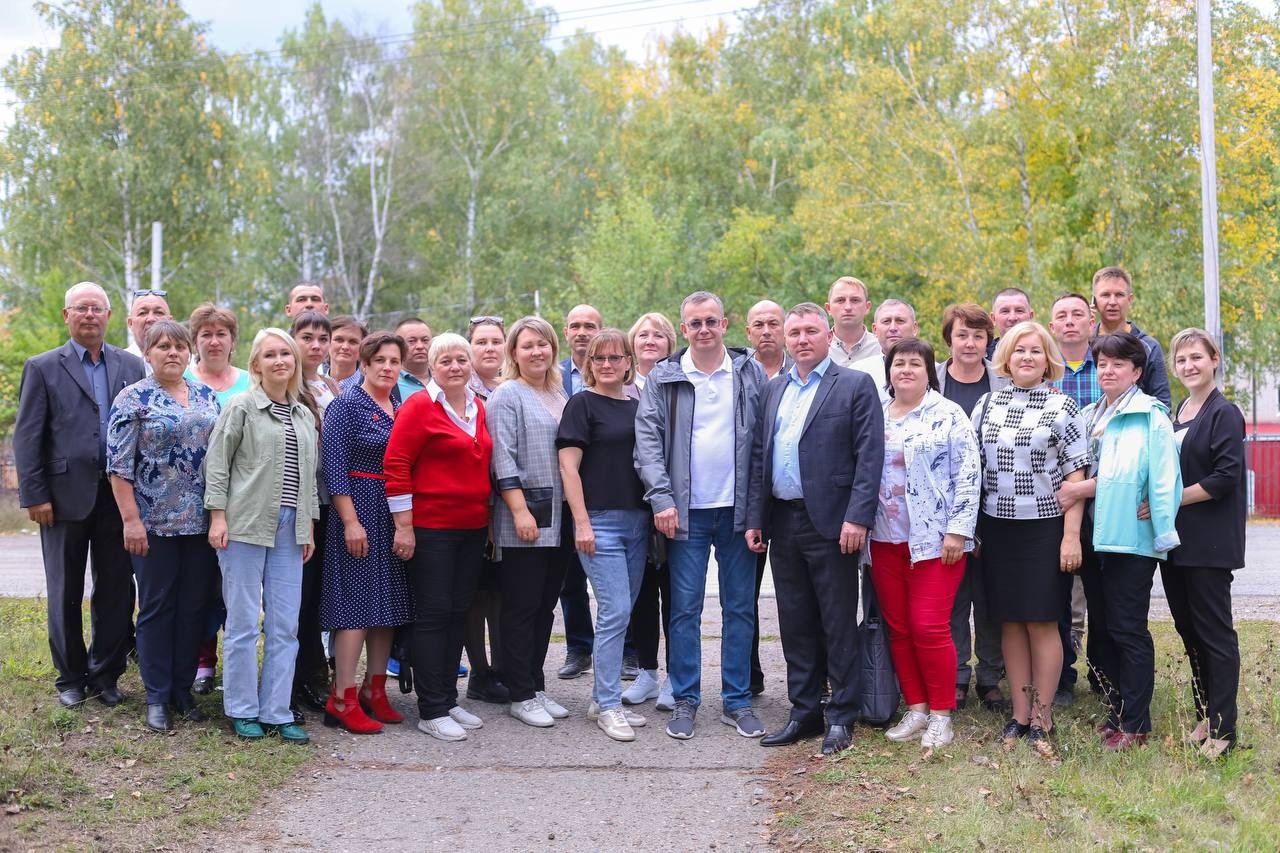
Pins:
<point x="693" y="449"/>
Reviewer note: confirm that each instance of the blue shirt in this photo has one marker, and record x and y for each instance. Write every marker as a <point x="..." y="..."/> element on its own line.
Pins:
<point x="788" y="426"/>
<point x="576" y="383"/>
<point x="96" y="374"/>
<point x="407" y="385"/>
<point x="159" y="447"/>
<point x="1081" y="385"/>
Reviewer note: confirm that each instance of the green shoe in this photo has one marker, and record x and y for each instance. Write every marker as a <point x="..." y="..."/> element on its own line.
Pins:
<point x="290" y="732"/>
<point x="248" y="729"/>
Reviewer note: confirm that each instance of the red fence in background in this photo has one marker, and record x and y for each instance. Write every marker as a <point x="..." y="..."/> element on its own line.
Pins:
<point x="1263" y="452"/>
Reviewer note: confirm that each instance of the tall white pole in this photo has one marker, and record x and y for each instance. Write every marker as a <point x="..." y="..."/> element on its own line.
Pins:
<point x="1208" y="170"/>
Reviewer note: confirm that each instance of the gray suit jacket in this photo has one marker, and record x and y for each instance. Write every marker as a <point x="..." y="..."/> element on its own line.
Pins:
<point x="841" y="453"/>
<point x="55" y="438"/>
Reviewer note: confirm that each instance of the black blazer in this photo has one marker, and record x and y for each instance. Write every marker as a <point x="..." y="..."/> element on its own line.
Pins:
<point x="1212" y="532"/>
<point x="841" y="453"/>
<point x="55" y="438"/>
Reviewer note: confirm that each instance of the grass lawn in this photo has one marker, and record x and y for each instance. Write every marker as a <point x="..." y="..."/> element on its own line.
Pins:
<point x="97" y="778"/>
<point x="973" y="795"/>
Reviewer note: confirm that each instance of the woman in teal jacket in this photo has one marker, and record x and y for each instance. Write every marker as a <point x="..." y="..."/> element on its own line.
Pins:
<point x="1134" y="460"/>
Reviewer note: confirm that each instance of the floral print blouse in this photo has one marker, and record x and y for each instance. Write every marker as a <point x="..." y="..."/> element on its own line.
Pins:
<point x="159" y="447"/>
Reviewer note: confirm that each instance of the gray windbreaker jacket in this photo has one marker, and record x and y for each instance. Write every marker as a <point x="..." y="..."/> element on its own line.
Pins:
<point x="664" y="433"/>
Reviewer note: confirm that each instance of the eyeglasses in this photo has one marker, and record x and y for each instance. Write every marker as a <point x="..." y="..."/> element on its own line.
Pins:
<point x="486" y="318"/>
<point x="138" y="294"/>
<point x="89" y="309"/>
<point x="607" y="359"/>
<point x="696" y="325"/>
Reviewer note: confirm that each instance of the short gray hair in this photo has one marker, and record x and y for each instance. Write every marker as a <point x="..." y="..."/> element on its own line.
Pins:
<point x="69" y="299"/>
<point x="701" y="296"/>
<point x="810" y="308"/>
<point x="889" y="303"/>
<point x="447" y="341"/>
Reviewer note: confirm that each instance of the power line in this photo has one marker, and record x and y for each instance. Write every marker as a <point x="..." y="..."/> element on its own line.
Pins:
<point x="480" y="28"/>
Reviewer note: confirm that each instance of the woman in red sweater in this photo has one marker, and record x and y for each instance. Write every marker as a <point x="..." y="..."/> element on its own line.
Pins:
<point x="437" y="468"/>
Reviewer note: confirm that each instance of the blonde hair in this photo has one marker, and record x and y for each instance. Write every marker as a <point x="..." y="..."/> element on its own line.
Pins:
<point x="1055" y="367"/>
<point x="540" y="327"/>
<point x="661" y="323"/>
<point x="449" y="341"/>
<point x="608" y="339"/>
<point x="1191" y="337"/>
<point x="294" y="389"/>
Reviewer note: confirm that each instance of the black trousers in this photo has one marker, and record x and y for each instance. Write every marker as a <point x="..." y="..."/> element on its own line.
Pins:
<point x="1200" y="601"/>
<point x="817" y="595"/>
<point x="443" y="575"/>
<point x="311" y="664"/>
<point x="531" y="582"/>
<point x="175" y="582"/>
<point x="757" y="674"/>
<point x="1120" y="646"/>
<point x="66" y="546"/>
<point x="651" y="615"/>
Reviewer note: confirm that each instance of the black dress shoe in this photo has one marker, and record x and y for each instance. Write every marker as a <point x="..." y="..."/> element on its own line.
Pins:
<point x="838" y="739"/>
<point x="72" y="697"/>
<point x="187" y="708"/>
<point x="158" y="718"/>
<point x="309" y="696"/>
<point x="298" y="717"/>
<point x="486" y="688"/>
<point x="203" y="686"/>
<point x="110" y="696"/>
<point x="793" y="732"/>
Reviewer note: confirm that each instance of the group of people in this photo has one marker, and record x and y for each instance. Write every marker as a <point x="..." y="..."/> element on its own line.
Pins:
<point x="413" y="495"/>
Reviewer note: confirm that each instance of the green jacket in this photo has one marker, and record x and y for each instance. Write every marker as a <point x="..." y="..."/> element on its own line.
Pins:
<point x="244" y="469"/>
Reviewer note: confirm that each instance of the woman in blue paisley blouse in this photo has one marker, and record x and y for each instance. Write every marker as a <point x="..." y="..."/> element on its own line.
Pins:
<point x="156" y="444"/>
<point x="923" y="530"/>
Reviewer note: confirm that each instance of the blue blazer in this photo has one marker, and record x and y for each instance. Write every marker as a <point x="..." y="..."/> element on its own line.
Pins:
<point x="841" y="453"/>
<point x="55" y="438"/>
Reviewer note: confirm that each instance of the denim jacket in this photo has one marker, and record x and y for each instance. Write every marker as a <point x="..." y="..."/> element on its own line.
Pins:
<point x="943" y="475"/>
<point x="1137" y="461"/>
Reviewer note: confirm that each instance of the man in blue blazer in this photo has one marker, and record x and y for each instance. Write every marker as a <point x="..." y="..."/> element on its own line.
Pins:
<point x="815" y="479"/>
<point x="60" y="447"/>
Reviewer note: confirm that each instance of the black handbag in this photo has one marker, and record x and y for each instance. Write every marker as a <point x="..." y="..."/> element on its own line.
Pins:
<point x="538" y="501"/>
<point x="878" y="692"/>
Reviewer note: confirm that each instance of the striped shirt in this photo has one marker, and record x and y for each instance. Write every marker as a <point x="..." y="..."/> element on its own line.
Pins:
<point x="289" y="491"/>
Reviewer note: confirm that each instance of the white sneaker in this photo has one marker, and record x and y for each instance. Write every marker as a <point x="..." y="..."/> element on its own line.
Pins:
<point x="465" y="718"/>
<point x="666" y="702"/>
<point x="530" y="712"/>
<point x="644" y="688"/>
<point x="443" y="728"/>
<point x="614" y="723"/>
<point x="911" y="724"/>
<point x="552" y="707"/>
<point x="633" y="719"/>
<point x="938" y="732"/>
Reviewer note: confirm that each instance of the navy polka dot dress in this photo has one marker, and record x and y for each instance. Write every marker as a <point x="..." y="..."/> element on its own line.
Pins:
<point x="370" y="591"/>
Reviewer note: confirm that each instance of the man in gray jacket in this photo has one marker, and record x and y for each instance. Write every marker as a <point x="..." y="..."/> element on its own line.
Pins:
<point x="693" y="452"/>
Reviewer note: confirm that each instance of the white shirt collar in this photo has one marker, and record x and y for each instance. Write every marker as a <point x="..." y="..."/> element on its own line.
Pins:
<point x="687" y="365"/>
<point x="437" y="394"/>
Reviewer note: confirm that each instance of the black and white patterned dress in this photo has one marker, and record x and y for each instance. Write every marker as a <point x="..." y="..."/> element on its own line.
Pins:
<point x="1030" y="440"/>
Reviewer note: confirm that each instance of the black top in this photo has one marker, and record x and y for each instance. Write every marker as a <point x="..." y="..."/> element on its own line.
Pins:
<point x="966" y="394"/>
<point x="1212" y="454"/>
<point x="605" y="429"/>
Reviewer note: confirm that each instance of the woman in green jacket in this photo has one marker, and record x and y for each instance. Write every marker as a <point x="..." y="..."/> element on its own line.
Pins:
<point x="261" y="492"/>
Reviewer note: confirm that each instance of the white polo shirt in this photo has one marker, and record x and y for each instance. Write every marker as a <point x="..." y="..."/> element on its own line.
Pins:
<point x="711" y="454"/>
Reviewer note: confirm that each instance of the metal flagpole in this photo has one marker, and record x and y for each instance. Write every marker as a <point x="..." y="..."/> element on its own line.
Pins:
<point x="1208" y="171"/>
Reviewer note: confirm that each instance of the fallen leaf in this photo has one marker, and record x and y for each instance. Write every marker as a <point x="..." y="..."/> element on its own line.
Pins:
<point x="948" y="810"/>
<point x="902" y="790"/>
<point x="131" y="762"/>
<point x="984" y="792"/>
<point x="137" y="795"/>
<point x="232" y="775"/>
<point x="12" y="808"/>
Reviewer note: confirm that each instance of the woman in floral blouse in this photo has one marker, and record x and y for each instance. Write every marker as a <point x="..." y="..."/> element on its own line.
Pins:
<point x="923" y="530"/>
<point x="156" y="444"/>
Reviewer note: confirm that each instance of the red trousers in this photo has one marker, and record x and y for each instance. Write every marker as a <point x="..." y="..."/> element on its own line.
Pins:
<point x="916" y="602"/>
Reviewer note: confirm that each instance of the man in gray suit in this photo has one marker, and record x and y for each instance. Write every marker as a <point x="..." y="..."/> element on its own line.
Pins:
<point x="815" y="477"/>
<point x="60" y="447"/>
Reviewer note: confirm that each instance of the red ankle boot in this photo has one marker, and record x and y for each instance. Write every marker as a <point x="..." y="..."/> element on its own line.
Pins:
<point x="352" y="717"/>
<point x="373" y="697"/>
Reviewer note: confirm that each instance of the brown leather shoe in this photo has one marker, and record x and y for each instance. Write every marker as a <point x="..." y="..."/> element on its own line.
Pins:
<point x="1120" y="741"/>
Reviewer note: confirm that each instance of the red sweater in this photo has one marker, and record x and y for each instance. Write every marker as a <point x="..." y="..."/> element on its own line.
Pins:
<point x="446" y="470"/>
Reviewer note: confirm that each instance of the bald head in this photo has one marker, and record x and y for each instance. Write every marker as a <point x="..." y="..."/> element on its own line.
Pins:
<point x="581" y="324"/>
<point x="764" y="329"/>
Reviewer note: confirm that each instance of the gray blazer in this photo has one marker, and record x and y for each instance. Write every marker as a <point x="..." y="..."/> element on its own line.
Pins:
<point x="55" y="438"/>
<point x="841" y="453"/>
<point x="524" y="456"/>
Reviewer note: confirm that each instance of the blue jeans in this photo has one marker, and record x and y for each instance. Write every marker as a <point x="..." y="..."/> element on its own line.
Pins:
<point x="616" y="571"/>
<point x="259" y="580"/>
<point x="687" y="559"/>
